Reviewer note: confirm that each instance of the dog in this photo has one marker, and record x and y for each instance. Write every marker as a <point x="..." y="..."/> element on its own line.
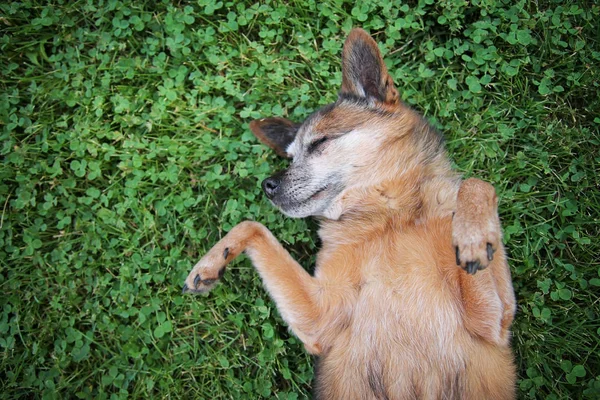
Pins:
<point x="411" y="296"/>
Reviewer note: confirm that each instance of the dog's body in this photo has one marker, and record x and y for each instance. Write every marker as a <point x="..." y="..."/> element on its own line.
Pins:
<point x="388" y="311"/>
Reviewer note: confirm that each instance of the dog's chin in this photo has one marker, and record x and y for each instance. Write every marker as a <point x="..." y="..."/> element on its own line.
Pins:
<point x="298" y="209"/>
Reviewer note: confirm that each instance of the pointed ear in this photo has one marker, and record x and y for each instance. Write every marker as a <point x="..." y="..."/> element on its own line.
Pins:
<point x="277" y="133"/>
<point x="364" y="73"/>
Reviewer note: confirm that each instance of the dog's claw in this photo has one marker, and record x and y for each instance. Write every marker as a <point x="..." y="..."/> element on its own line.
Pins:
<point x="457" y="255"/>
<point x="185" y="288"/>
<point x="490" y="252"/>
<point x="226" y="253"/>
<point x="469" y="267"/>
<point x="472" y="267"/>
<point x="197" y="280"/>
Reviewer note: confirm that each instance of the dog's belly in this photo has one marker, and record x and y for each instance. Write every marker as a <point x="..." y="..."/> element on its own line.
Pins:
<point x="412" y="341"/>
<point x="405" y="338"/>
<point x="409" y="299"/>
<point x="398" y="346"/>
<point x="407" y="318"/>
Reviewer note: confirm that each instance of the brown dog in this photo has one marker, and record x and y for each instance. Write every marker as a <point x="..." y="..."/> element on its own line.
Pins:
<point x="388" y="311"/>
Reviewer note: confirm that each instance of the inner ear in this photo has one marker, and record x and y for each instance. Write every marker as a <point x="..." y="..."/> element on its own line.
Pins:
<point x="277" y="133"/>
<point x="364" y="73"/>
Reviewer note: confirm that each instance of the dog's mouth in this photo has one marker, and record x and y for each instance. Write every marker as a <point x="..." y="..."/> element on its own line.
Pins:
<point x="285" y="202"/>
<point x="313" y="204"/>
<point x="319" y="192"/>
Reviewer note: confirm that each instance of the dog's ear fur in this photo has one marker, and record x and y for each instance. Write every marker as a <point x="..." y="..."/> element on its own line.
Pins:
<point x="277" y="133"/>
<point x="364" y="73"/>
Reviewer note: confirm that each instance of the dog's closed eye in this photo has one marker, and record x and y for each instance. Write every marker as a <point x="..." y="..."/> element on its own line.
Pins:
<point x="316" y="143"/>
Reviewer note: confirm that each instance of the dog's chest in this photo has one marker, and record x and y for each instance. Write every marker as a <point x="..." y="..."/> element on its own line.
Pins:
<point x="411" y="307"/>
<point x="400" y="294"/>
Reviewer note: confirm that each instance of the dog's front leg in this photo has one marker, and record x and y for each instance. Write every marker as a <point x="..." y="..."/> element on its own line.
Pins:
<point x="476" y="233"/>
<point x="290" y="286"/>
<point x="488" y="295"/>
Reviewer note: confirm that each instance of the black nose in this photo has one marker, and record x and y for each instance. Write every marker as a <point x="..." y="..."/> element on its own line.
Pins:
<point x="271" y="185"/>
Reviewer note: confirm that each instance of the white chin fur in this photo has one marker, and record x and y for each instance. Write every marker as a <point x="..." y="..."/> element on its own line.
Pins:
<point x="302" y="212"/>
<point x="334" y="211"/>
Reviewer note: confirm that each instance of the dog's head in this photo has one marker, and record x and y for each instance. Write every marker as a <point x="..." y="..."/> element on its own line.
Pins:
<point x="340" y="147"/>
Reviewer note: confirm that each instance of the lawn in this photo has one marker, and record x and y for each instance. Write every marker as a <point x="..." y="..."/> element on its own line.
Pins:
<point x="125" y="154"/>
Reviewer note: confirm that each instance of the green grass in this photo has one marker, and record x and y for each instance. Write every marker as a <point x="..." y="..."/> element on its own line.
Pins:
<point x="125" y="154"/>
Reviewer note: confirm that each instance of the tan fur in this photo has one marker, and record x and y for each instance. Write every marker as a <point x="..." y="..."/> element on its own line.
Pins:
<point x="341" y="121"/>
<point x="388" y="310"/>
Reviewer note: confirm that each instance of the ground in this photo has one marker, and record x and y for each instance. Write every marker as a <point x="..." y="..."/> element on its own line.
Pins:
<point x="125" y="154"/>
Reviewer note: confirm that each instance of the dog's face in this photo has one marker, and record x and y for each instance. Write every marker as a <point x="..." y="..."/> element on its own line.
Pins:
<point x="337" y="147"/>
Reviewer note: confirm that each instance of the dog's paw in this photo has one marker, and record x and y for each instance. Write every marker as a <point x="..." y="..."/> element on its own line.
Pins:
<point x="476" y="230"/>
<point x="208" y="271"/>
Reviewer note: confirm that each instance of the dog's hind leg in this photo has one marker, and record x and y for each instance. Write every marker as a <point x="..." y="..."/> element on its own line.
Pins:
<point x="488" y="296"/>
<point x="290" y="286"/>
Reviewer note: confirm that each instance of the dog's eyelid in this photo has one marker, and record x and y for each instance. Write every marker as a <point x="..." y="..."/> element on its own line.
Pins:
<point x="316" y="143"/>
<point x="320" y="140"/>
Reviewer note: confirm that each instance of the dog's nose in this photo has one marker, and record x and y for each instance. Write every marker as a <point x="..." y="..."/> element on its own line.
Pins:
<point x="271" y="185"/>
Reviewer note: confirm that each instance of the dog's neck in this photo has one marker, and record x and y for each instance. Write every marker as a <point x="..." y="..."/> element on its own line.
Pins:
<point x="410" y="198"/>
